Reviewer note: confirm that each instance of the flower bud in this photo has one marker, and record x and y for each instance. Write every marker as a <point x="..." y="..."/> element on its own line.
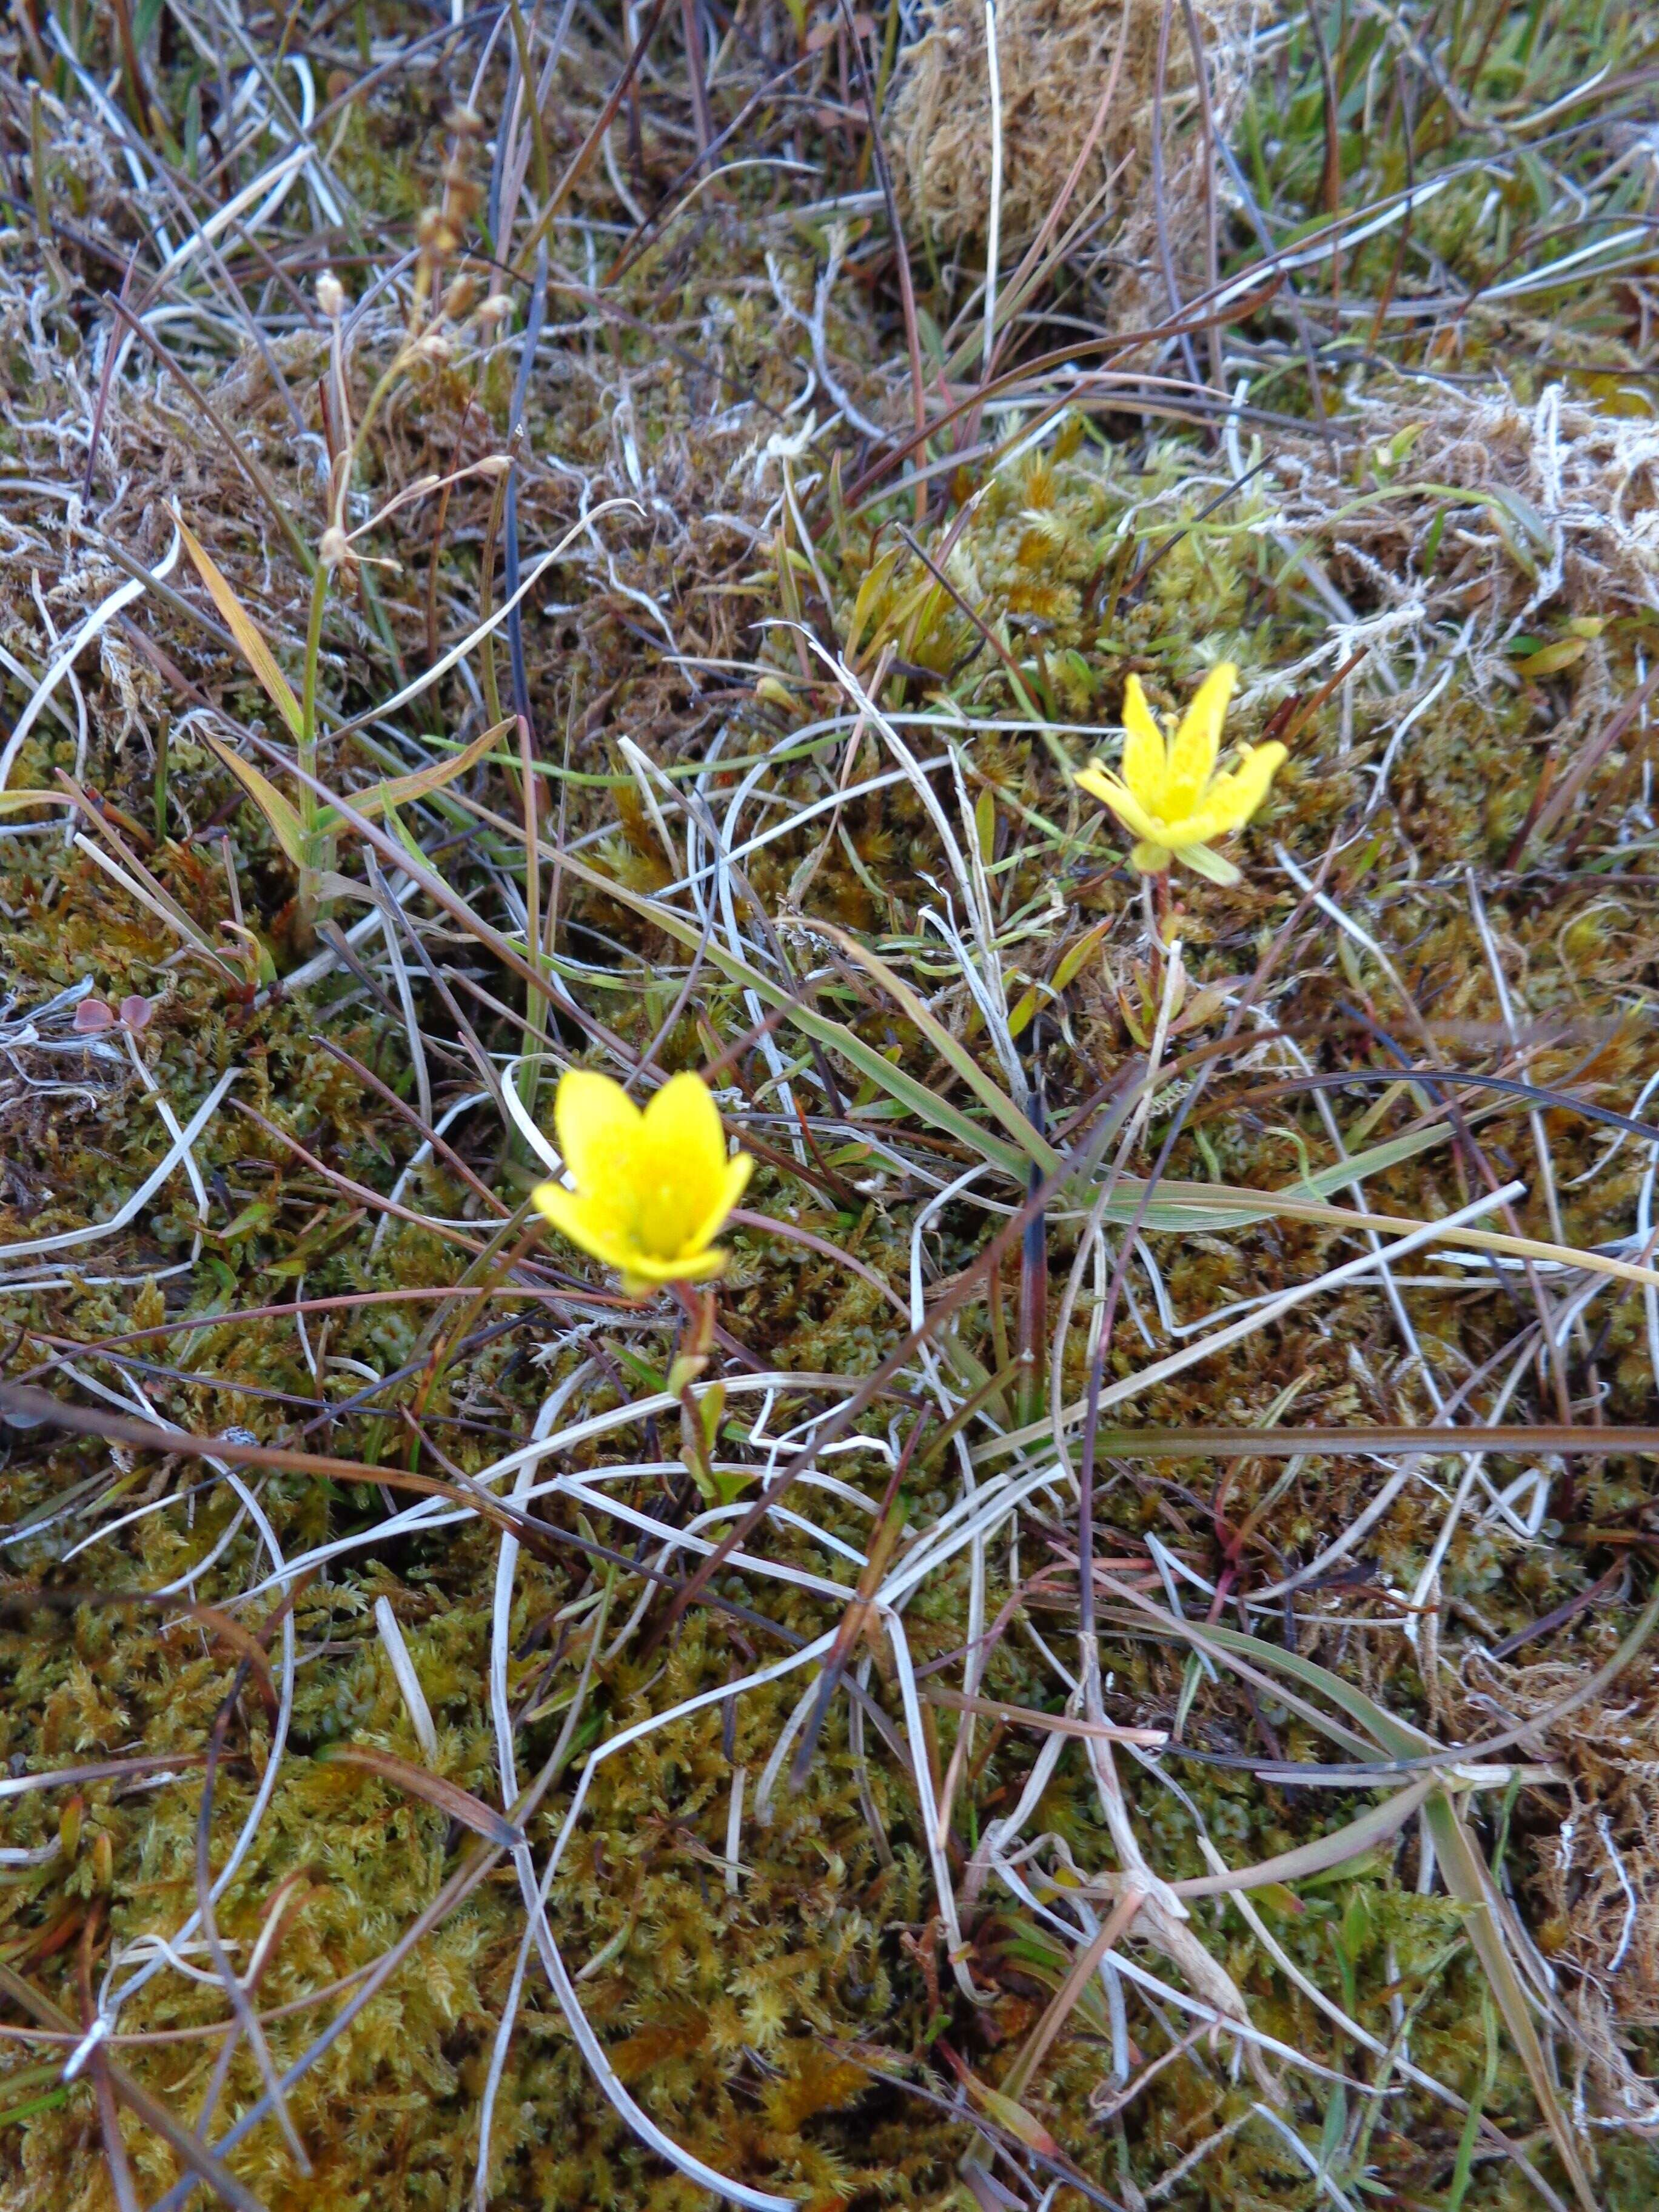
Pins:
<point x="436" y="233"/>
<point x="331" y="295"/>
<point x="458" y="300"/>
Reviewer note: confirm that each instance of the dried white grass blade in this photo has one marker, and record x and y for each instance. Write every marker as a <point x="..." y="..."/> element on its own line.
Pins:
<point x="1132" y="1386"/>
<point x="405" y="992"/>
<point x="524" y="1122"/>
<point x="994" y="226"/>
<point x="66" y="1238"/>
<point x="767" y="1787"/>
<point x="506" y="1567"/>
<point x="1293" y="2141"/>
<point x="498" y="2053"/>
<point x="110" y="1998"/>
<point x="475" y="637"/>
<point x="419" y="1158"/>
<point x="146" y="898"/>
<point x="323" y="963"/>
<point x="1334" y="237"/>
<point x="1179" y="2000"/>
<point x="79" y="639"/>
<point x="734" y="1867"/>
<point x="927" y="1804"/>
<point x="640" y="2121"/>
<point x="409" y="1682"/>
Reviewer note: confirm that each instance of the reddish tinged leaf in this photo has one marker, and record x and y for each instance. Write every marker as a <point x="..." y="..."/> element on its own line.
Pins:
<point x="1006" y="2112"/>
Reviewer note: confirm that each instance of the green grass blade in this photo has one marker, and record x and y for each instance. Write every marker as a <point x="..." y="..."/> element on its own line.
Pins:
<point x="914" y="1096"/>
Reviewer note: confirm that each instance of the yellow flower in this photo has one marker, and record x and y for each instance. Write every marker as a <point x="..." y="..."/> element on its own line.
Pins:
<point x="1169" y="795"/>
<point x="653" y="1188"/>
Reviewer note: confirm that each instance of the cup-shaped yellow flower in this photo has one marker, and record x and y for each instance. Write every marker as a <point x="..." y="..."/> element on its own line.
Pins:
<point x="653" y="1188"/>
<point x="1170" y="796"/>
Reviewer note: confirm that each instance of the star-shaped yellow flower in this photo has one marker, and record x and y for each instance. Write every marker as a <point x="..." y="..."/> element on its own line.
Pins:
<point x="1169" y="795"/>
<point x="653" y="1188"/>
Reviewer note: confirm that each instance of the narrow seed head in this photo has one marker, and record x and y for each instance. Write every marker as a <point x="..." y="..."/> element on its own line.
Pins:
<point x="458" y="300"/>
<point x="436" y="233"/>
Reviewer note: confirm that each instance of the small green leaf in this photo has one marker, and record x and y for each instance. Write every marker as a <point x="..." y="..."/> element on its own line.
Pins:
<point x="1551" y="659"/>
<point x="875" y="583"/>
<point x="985" y="824"/>
<point x="1074" y="955"/>
<point x="1356" y="1924"/>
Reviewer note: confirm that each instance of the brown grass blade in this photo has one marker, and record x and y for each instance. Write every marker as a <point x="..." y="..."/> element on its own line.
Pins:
<point x="447" y="1796"/>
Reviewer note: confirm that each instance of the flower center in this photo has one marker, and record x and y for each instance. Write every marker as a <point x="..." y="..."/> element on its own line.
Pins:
<point x="663" y="1219"/>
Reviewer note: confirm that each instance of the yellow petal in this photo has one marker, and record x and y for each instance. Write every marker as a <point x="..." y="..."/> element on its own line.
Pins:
<point x="588" y="1222"/>
<point x="683" y="1117"/>
<point x="1232" y="798"/>
<point x="1145" y="763"/>
<point x="645" y="1274"/>
<point x="1198" y="741"/>
<point x="734" y="1182"/>
<point x="653" y="1187"/>
<point x="597" y="1126"/>
<point x="1100" y="783"/>
<point x="681" y="1168"/>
